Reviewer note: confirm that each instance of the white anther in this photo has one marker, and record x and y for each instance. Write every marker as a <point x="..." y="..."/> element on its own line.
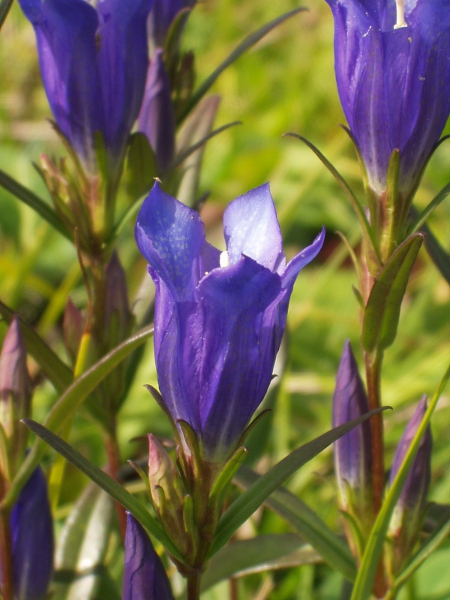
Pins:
<point x="400" y="14"/>
<point x="224" y="259"/>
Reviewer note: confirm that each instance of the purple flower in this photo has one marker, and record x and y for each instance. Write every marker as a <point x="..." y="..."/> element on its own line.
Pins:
<point x="32" y="540"/>
<point x="352" y="452"/>
<point x="161" y="17"/>
<point x="93" y="63"/>
<point x="144" y="576"/>
<point x="219" y="317"/>
<point x="157" y="117"/>
<point x="415" y="489"/>
<point x="393" y="74"/>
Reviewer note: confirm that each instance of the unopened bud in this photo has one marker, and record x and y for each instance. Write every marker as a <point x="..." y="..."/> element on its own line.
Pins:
<point x="409" y="509"/>
<point x="144" y="576"/>
<point x="73" y="329"/>
<point x="15" y="389"/>
<point x="352" y="452"/>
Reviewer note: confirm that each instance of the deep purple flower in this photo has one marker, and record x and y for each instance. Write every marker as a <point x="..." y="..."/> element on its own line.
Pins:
<point x="32" y="540"/>
<point x="144" y="576"/>
<point x="352" y="452"/>
<point x="93" y="63"/>
<point x="157" y="117"/>
<point x="415" y="489"/>
<point x="219" y="317"/>
<point x="393" y="74"/>
<point x="161" y="17"/>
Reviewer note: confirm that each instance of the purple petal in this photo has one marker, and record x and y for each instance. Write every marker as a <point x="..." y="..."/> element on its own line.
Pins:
<point x="144" y="576"/>
<point x="417" y="482"/>
<point x="32" y="539"/>
<point x="352" y="452"/>
<point x="65" y="31"/>
<point x="171" y="236"/>
<point x="251" y="228"/>
<point x="210" y="363"/>
<point x="161" y="17"/>
<point x="157" y="117"/>
<point x="394" y="84"/>
<point x="302" y="259"/>
<point x="122" y="64"/>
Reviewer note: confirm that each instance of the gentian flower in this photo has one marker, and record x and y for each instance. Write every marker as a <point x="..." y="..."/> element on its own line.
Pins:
<point x="219" y="317"/>
<point x="144" y="575"/>
<point x="94" y="64"/>
<point x="32" y="539"/>
<point x="352" y="452"/>
<point x="161" y="17"/>
<point x="157" y="116"/>
<point x="392" y="62"/>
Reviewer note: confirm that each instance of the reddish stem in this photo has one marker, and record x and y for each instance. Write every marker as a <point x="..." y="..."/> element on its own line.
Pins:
<point x="6" y="557"/>
<point x="112" y="451"/>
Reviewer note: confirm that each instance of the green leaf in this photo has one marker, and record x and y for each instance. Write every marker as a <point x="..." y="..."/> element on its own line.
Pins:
<point x="307" y="523"/>
<point x="265" y="552"/>
<point x="31" y="200"/>
<point x="420" y="220"/>
<point x="57" y="372"/>
<point x="256" y="494"/>
<point x="247" y="43"/>
<point x="107" y="483"/>
<point x="369" y="562"/>
<point x="83" y="545"/>
<point x="5" y="5"/>
<point x="357" y="206"/>
<point x="383" y="307"/>
<point x="69" y="402"/>
<point x="437" y="253"/>
<point x="140" y="166"/>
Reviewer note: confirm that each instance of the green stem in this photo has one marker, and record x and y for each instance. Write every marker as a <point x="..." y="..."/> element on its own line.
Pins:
<point x="193" y="585"/>
<point x="113" y="454"/>
<point x="6" y="557"/>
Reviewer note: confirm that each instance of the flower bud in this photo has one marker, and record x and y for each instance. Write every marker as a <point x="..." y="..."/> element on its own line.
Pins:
<point x="73" y="329"/>
<point x="32" y="539"/>
<point x="163" y="475"/>
<point x="408" y="513"/>
<point x="15" y="390"/>
<point x="157" y="118"/>
<point x="144" y="576"/>
<point x="352" y="455"/>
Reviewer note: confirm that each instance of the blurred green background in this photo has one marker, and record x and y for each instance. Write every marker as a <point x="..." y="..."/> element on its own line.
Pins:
<point x="284" y="84"/>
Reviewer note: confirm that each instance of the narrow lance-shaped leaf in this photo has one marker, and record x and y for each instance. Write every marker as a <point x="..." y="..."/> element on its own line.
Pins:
<point x="264" y="552"/>
<point x="369" y="563"/>
<point x="307" y="523"/>
<point x="83" y="545"/>
<point x="103" y="480"/>
<point x="245" y="505"/>
<point x="385" y="300"/>
<point x="17" y="189"/>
